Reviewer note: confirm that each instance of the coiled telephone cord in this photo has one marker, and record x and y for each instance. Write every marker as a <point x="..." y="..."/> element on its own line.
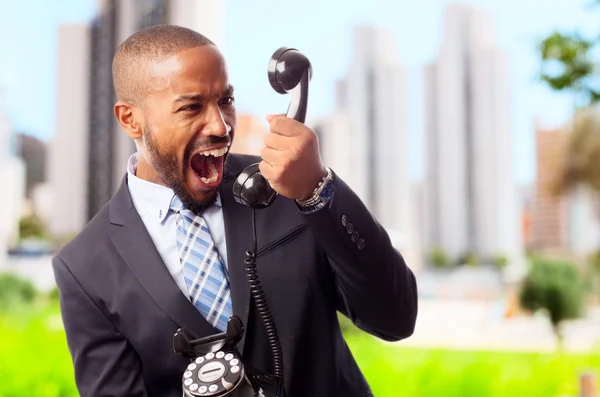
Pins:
<point x="261" y="303"/>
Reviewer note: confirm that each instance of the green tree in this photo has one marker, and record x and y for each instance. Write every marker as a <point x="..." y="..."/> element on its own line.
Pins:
<point x="594" y="272"/>
<point x="556" y="289"/>
<point x="569" y="64"/>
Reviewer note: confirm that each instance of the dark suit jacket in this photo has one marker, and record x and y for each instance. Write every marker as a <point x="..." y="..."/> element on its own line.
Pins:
<point x="121" y="307"/>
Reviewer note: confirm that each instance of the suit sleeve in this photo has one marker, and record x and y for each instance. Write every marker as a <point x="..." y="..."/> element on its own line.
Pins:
<point x="376" y="288"/>
<point x="104" y="362"/>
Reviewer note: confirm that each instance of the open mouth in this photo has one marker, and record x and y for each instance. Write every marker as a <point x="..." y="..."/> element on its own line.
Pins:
<point x="207" y="166"/>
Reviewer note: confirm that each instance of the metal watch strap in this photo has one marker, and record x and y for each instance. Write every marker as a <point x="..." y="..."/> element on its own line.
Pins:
<point x="316" y="198"/>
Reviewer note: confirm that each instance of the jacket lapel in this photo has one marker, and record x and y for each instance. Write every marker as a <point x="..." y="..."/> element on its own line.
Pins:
<point x="238" y="232"/>
<point x="137" y="249"/>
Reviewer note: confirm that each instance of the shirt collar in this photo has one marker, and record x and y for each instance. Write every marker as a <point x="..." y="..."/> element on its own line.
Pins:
<point x="151" y="197"/>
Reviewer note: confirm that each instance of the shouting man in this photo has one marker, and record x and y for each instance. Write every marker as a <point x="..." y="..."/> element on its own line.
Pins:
<point x="168" y="250"/>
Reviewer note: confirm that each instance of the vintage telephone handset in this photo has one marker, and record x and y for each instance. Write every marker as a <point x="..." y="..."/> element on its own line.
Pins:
<point x="217" y="369"/>
<point x="289" y="72"/>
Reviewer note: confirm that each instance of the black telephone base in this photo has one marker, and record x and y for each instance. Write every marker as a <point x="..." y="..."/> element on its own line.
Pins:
<point x="217" y="369"/>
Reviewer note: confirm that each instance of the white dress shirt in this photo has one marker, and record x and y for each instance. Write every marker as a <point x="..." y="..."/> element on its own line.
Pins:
<point x="152" y="202"/>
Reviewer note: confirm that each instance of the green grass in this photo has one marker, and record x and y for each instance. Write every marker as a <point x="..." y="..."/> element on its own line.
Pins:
<point x="34" y="358"/>
<point x="34" y="361"/>
<point x="407" y="372"/>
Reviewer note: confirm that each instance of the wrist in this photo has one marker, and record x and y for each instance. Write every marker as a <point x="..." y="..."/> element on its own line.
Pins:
<point x="322" y="193"/>
<point x="316" y="183"/>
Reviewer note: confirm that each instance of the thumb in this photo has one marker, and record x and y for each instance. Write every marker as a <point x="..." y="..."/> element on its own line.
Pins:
<point x="271" y="117"/>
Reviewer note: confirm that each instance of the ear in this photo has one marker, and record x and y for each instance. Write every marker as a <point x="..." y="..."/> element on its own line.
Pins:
<point x="126" y="115"/>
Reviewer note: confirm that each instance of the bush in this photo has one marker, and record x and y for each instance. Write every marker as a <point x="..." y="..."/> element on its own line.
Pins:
<point x="500" y="261"/>
<point x="469" y="259"/>
<point x="32" y="227"/>
<point x="556" y="288"/>
<point x="438" y="258"/>
<point x="54" y="295"/>
<point x="15" y="292"/>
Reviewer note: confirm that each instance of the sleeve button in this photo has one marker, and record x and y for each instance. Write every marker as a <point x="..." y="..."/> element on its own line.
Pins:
<point x="350" y="228"/>
<point x="361" y="244"/>
<point x="354" y="237"/>
<point x="344" y="220"/>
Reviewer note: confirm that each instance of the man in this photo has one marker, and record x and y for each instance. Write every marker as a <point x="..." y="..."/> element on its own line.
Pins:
<point x="130" y="279"/>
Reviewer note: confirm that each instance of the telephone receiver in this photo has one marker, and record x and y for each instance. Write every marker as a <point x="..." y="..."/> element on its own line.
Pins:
<point x="290" y="72"/>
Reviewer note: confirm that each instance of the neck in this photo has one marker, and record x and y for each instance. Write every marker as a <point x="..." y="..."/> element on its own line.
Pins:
<point x="146" y="172"/>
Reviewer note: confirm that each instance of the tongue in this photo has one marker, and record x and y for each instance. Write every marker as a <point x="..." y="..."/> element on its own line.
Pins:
<point x="205" y="168"/>
<point x="199" y="164"/>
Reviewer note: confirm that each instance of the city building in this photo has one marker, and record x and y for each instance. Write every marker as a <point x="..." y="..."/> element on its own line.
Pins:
<point x="471" y="196"/>
<point x="364" y="138"/>
<point x="12" y="177"/>
<point x="550" y="212"/>
<point x="583" y="235"/>
<point x="33" y="151"/>
<point x="334" y="143"/>
<point x="68" y="172"/>
<point x="90" y="151"/>
<point x="562" y="223"/>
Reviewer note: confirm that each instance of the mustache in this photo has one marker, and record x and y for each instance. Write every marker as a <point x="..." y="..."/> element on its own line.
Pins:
<point x="196" y="146"/>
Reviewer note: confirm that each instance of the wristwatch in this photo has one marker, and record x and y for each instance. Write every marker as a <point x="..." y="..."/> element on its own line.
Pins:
<point x="321" y="195"/>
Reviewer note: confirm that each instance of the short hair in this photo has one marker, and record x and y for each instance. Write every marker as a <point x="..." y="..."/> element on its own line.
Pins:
<point x="151" y="44"/>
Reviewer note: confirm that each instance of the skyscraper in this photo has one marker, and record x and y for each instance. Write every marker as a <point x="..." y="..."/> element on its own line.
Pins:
<point x="367" y="130"/>
<point x="364" y="141"/>
<point x="471" y="195"/>
<point x="97" y="148"/>
<point x="68" y="172"/>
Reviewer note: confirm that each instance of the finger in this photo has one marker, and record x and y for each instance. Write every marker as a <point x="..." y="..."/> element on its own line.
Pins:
<point x="286" y="126"/>
<point x="270" y="117"/>
<point x="277" y="142"/>
<point x="272" y="156"/>
<point x="268" y="171"/>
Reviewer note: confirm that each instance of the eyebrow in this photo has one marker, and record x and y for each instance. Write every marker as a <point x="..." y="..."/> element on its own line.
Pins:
<point x="200" y="97"/>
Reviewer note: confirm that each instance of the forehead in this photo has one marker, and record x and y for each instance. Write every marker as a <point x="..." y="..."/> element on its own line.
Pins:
<point x="195" y="70"/>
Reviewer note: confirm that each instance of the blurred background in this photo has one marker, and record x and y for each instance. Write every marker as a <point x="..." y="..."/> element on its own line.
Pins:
<point x="471" y="131"/>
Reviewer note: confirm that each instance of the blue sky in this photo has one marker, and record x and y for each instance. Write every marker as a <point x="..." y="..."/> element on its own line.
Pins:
<point x="321" y="29"/>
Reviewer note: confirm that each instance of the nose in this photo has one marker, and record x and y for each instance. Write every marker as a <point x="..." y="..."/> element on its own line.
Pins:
<point x="216" y="125"/>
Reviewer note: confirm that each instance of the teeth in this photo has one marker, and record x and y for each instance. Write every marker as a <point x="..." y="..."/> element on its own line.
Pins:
<point x="215" y="152"/>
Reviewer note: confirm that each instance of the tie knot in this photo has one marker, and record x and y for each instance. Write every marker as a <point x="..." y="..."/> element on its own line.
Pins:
<point x="176" y="204"/>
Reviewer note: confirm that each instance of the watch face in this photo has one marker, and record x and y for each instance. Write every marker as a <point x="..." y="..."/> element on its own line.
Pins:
<point x="327" y="191"/>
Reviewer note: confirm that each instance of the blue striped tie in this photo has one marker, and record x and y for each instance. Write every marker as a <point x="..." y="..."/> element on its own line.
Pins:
<point x="204" y="273"/>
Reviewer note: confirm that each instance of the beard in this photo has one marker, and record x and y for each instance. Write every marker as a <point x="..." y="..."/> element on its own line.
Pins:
<point x="172" y="173"/>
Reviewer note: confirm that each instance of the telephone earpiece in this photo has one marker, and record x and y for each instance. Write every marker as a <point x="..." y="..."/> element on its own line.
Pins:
<point x="290" y="72"/>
